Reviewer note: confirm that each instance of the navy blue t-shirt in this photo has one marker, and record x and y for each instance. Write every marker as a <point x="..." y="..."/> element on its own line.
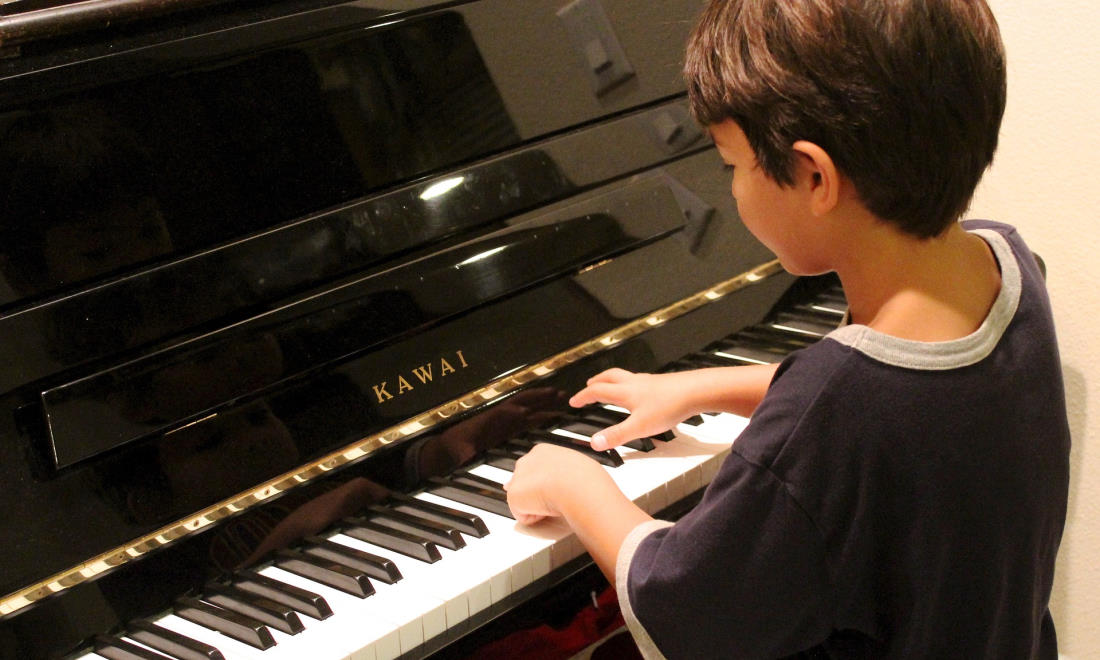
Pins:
<point x="889" y="498"/>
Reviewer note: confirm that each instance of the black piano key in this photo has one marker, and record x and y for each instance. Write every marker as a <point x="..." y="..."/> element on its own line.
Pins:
<point x="608" y="457"/>
<point x="500" y="458"/>
<point x="467" y="523"/>
<point x="238" y="626"/>
<point x="479" y="498"/>
<point x="767" y="336"/>
<point x="641" y="444"/>
<point x="603" y="414"/>
<point x="705" y="360"/>
<point x="378" y="568"/>
<point x="479" y="481"/>
<point x="306" y="602"/>
<point x="171" y="642"/>
<point x="584" y="426"/>
<point x="745" y="353"/>
<point x="406" y="543"/>
<point x="695" y="420"/>
<point x="824" y="311"/>
<point x="793" y="323"/>
<point x="679" y="365"/>
<point x="668" y="436"/>
<point x="806" y="312"/>
<point x="119" y="649"/>
<point x="325" y="571"/>
<point x="264" y="610"/>
<point x="436" y="532"/>
<point x="766" y="342"/>
<point x="595" y="418"/>
<point x="518" y="446"/>
<point x="834" y="295"/>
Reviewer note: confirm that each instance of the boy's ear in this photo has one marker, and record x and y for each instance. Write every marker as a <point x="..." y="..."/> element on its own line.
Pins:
<point x="816" y="167"/>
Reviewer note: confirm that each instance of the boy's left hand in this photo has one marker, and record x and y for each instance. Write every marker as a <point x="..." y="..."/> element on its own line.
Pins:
<point x="552" y="481"/>
<point x="548" y="479"/>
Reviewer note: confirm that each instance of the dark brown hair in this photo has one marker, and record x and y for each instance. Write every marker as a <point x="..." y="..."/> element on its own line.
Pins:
<point x="906" y="96"/>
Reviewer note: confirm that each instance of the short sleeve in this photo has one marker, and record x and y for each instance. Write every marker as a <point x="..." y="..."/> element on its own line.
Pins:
<point x="742" y="575"/>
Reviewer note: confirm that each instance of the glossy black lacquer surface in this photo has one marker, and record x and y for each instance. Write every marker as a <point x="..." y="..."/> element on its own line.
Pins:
<point x="228" y="250"/>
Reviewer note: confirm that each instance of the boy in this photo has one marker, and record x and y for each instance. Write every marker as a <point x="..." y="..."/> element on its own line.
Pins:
<point x="901" y="488"/>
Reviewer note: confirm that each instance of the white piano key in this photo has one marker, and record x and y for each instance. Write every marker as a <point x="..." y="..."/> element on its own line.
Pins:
<point x="496" y="474"/>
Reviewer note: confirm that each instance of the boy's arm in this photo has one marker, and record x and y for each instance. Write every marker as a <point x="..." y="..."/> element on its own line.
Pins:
<point x="552" y="481"/>
<point x="660" y="401"/>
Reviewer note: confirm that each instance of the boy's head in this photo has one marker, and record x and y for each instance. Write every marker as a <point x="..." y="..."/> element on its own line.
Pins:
<point x="906" y="96"/>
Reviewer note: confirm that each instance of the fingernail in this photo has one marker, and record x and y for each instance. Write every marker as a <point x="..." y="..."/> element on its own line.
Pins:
<point x="599" y="441"/>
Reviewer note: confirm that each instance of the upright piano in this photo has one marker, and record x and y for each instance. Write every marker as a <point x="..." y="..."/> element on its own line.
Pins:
<point x="286" y="286"/>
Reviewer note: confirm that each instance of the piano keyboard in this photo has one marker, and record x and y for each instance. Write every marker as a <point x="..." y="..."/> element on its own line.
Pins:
<point x="393" y="578"/>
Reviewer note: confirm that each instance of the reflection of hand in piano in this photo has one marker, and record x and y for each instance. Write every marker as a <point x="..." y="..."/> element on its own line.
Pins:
<point x="318" y="513"/>
<point x="440" y="454"/>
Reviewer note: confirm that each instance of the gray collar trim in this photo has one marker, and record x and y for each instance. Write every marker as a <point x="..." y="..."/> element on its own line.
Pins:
<point x="956" y="352"/>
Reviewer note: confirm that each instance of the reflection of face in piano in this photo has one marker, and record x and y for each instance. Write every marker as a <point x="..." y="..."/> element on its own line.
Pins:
<point x="80" y="197"/>
<point x="100" y="240"/>
<point x="80" y="202"/>
<point x="227" y="452"/>
<point x="246" y="447"/>
<point x="211" y="459"/>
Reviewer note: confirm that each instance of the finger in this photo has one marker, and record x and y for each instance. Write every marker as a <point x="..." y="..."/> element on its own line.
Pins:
<point x="613" y="436"/>
<point x="597" y="392"/>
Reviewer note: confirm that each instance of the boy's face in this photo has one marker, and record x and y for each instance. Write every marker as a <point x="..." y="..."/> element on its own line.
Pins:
<point x="776" y="215"/>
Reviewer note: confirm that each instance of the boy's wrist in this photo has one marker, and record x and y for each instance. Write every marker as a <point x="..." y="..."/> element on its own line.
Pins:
<point x="581" y="482"/>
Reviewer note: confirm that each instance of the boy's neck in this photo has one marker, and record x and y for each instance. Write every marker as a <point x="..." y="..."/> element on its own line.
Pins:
<point x="934" y="289"/>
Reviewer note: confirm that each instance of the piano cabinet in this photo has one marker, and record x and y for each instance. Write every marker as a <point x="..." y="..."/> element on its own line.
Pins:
<point x="285" y="287"/>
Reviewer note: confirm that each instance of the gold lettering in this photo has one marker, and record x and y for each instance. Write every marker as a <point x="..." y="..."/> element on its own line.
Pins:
<point x="381" y="393"/>
<point x="423" y="372"/>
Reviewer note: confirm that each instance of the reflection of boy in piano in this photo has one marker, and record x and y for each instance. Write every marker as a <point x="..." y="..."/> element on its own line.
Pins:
<point x="901" y="488"/>
<point x="80" y="201"/>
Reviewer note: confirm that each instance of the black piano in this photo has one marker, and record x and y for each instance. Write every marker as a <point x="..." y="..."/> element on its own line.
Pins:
<point x="287" y="286"/>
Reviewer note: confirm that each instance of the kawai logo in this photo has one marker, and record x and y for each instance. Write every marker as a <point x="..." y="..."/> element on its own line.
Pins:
<point x="421" y="375"/>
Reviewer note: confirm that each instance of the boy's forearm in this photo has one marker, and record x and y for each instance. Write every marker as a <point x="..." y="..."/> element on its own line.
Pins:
<point x="736" y="390"/>
<point x="601" y="516"/>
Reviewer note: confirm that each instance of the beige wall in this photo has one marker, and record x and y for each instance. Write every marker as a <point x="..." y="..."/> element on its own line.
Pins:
<point x="1046" y="181"/>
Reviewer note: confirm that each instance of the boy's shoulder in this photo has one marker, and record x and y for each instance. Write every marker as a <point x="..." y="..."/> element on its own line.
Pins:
<point x="857" y="379"/>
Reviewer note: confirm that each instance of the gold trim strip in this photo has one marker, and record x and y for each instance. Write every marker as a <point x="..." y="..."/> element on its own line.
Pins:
<point x="95" y="566"/>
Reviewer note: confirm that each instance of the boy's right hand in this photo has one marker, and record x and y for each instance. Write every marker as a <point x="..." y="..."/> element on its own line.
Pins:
<point x="656" y="402"/>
